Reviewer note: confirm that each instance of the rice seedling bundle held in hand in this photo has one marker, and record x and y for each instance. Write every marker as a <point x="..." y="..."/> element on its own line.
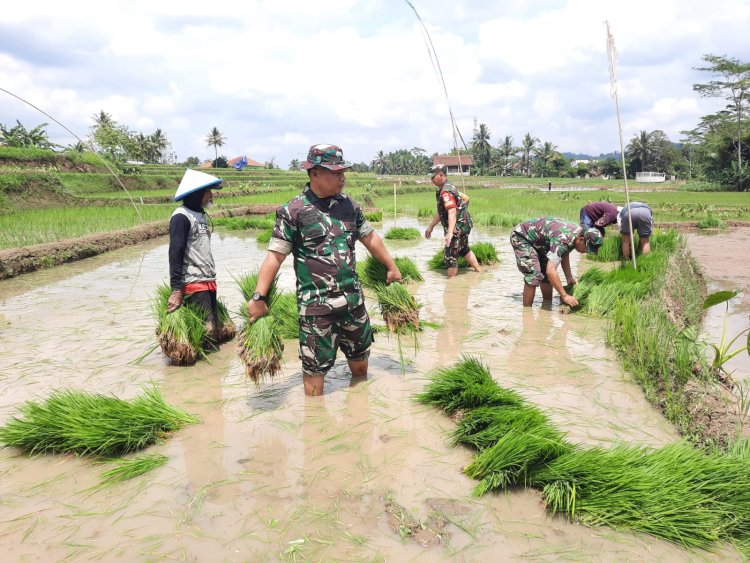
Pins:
<point x="372" y="272"/>
<point x="400" y="310"/>
<point x="90" y="424"/>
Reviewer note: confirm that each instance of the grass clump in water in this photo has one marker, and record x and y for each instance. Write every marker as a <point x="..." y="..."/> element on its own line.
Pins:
<point x="403" y="233"/>
<point x="372" y="272"/>
<point x="91" y="424"/>
<point x="484" y="251"/>
<point x="129" y="468"/>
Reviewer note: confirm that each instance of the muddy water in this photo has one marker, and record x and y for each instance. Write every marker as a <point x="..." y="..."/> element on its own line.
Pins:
<point x="724" y="257"/>
<point x="271" y="475"/>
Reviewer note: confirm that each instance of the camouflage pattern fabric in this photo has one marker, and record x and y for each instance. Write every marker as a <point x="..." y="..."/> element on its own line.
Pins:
<point x="550" y="237"/>
<point x="463" y="219"/>
<point x="321" y="335"/>
<point x="321" y="233"/>
<point x="459" y="246"/>
<point x="531" y="263"/>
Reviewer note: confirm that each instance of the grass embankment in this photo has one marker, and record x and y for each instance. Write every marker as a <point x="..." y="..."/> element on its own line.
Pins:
<point x="689" y="497"/>
<point x="655" y="310"/>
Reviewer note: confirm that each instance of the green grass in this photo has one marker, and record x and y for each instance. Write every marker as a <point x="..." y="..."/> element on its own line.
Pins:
<point x="372" y="272"/>
<point x="403" y="233"/>
<point x="241" y="223"/>
<point x="91" y="424"/>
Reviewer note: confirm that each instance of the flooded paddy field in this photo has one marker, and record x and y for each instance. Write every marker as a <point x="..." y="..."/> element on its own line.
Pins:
<point x="360" y="474"/>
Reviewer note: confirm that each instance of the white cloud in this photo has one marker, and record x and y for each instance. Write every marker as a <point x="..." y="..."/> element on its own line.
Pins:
<point x="278" y="75"/>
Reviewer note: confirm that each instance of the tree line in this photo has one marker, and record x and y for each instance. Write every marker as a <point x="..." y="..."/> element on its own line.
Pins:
<point x="717" y="150"/>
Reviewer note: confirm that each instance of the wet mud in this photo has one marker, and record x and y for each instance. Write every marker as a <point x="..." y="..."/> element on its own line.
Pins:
<point x="361" y="473"/>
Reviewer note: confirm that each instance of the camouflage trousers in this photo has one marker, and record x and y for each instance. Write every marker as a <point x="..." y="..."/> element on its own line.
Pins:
<point x="459" y="246"/>
<point x="320" y="336"/>
<point x="530" y="263"/>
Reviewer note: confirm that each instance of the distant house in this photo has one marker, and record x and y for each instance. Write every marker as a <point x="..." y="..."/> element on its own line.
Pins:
<point x="452" y="164"/>
<point x="650" y="177"/>
<point x="250" y="162"/>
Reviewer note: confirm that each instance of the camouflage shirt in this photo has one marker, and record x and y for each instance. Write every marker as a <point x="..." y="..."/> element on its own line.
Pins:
<point x="448" y="197"/>
<point x="320" y="233"/>
<point x="550" y="237"/>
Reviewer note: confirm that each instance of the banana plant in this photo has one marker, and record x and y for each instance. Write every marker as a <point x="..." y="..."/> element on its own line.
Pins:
<point x="723" y="349"/>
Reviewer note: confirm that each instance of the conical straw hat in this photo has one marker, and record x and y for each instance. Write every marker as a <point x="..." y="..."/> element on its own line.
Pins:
<point x="193" y="181"/>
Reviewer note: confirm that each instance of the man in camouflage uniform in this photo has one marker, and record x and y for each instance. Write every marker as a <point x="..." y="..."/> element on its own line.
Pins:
<point x="319" y="228"/>
<point x="453" y="213"/>
<point x="541" y="245"/>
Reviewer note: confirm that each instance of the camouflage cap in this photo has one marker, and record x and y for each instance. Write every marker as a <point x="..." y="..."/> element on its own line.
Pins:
<point x="327" y="156"/>
<point x="593" y="240"/>
<point x="437" y="169"/>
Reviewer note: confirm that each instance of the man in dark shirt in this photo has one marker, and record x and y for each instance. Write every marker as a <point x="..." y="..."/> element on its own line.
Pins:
<point x="599" y="214"/>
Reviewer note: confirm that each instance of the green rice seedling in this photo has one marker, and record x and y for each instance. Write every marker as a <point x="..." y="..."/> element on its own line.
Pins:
<point x="485" y="253"/>
<point x="484" y="426"/>
<point x="665" y="241"/>
<point x="403" y="233"/>
<point x="182" y="334"/>
<point x="374" y="216"/>
<point x="372" y="272"/>
<point x="399" y="309"/>
<point x="243" y="223"/>
<point x="283" y="310"/>
<point x="260" y="345"/>
<point x="226" y="329"/>
<point x="264" y="237"/>
<point x="425" y="212"/>
<point x="464" y="386"/>
<point x="515" y="457"/>
<point x="711" y="222"/>
<point x="91" y="424"/>
<point x="129" y="468"/>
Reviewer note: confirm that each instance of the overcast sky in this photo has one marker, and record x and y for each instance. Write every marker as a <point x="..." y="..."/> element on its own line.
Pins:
<point x="276" y="76"/>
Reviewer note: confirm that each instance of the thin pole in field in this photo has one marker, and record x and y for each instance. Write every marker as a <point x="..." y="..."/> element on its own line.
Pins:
<point x="612" y="54"/>
<point x="395" y="213"/>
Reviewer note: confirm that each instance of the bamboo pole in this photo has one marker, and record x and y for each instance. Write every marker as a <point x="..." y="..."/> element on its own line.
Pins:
<point x="612" y="54"/>
<point x="395" y="213"/>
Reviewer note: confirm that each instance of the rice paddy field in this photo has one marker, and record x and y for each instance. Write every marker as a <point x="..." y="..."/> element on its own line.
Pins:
<point x="364" y="473"/>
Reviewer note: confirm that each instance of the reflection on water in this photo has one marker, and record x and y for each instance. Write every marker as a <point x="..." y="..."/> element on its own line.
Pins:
<point x="269" y="474"/>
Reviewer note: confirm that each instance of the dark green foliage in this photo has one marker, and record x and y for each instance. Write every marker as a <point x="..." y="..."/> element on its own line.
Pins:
<point x="90" y="424"/>
<point x="372" y="272"/>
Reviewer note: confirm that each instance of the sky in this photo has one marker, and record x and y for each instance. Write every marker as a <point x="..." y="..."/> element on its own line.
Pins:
<point x="277" y="76"/>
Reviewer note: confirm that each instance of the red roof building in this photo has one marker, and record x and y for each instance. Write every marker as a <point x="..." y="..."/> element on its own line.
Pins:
<point x="452" y="163"/>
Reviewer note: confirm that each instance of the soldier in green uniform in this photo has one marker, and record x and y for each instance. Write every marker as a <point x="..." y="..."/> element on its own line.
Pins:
<point x="453" y="214"/>
<point x="319" y="227"/>
<point x="540" y="246"/>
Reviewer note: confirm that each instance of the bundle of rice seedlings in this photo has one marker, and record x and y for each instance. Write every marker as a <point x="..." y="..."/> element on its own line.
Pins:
<point x="182" y="334"/>
<point x="483" y="427"/>
<point x="611" y="248"/>
<point x="226" y="329"/>
<point x="283" y="310"/>
<point x="260" y="345"/>
<point x="372" y="272"/>
<point x="403" y="233"/>
<point x="400" y="310"/>
<point x="92" y="424"/>
<point x="264" y="237"/>
<point x="464" y="386"/>
<point x="516" y="456"/>
<point x="133" y="467"/>
<point x="485" y="253"/>
<point x="243" y="223"/>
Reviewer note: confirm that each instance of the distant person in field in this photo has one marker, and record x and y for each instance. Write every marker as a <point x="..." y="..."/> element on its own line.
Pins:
<point x="642" y="218"/>
<point x="453" y="213"/>
<point x="541" y="245"/>
<point x="192" y="273"/>
<point x="320" y="227"/>
<point x="599" y="214"/>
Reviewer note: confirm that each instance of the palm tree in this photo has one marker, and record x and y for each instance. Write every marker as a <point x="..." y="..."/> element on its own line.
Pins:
<point x="641" y="149"/>
<point x="216" y="139"/>
<point x="505" y="151"/>
<point x="294" y="164"/>
<point x="380" y="162"/>
<point x="103" y="119"/>
<point x="527" y="146"/>
<point x="481" y="147"/>
<point x="546" y="153"/>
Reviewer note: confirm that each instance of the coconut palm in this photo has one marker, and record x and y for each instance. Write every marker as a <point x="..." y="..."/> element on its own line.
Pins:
<point x="481" y="147"/>
<point x="294" y="164"/>
<point x="380" y="162"/>
<point x="527" y="146"/>
<point x="216" y="139"/>
<point x="640" y="149"/>
<point x="545" y="153"/>
<point x="505" y="152"/>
